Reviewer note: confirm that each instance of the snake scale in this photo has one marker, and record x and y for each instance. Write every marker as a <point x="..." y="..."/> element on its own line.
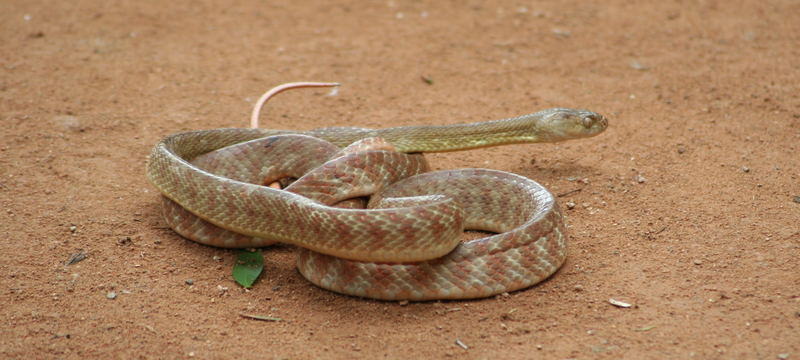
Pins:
<point x="406" y="245"/>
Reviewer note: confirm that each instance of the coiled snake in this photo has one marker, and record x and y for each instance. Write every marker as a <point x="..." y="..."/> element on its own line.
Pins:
<point x="407" y="244"/>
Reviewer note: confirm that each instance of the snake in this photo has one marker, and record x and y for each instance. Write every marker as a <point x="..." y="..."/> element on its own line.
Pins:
<point x="406" y="245"/>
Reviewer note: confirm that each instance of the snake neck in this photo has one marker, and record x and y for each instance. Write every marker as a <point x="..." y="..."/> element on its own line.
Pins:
<point x="411" y="139"/>
<point x="461" y="136"/>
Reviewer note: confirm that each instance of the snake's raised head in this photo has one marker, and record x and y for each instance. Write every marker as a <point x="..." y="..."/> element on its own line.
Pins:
<point x="565" y="124"/>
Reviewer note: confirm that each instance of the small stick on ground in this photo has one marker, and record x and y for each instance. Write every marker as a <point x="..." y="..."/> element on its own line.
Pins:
<point x="569" y="192"/>
<point x="461" y="344"/>
<point x="260" y="317"/>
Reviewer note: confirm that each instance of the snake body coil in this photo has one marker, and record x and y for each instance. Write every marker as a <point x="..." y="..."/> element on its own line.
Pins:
<point x="407" y="244"/>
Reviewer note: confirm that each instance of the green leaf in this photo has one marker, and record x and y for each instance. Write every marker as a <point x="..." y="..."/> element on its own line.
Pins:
<point x="247" y="267"/>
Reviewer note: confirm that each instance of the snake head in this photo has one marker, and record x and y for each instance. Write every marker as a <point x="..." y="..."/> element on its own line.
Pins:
<point x="565" y="124"/>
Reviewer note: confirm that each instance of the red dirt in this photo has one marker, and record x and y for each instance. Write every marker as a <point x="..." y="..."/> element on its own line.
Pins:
<point x="687" y="206"/>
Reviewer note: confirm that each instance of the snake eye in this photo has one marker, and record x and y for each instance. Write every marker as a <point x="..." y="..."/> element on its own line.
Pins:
<point x="587" y="121"/>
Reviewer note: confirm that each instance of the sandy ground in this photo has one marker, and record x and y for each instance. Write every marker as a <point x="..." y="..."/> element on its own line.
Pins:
<point x="688" y="205"/>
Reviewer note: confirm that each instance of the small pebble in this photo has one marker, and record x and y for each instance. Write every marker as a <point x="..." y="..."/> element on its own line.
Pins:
<point x="697" y="262"/>
<point x="578" y="288"/>
<point x="403" y="302"/>
<point x="189" y="282"/>
<point x="640" y="179"/>
<point x="745" y="169"/>
<point x="77" y="257"/>
<point x="73" y="228"/>
<point x="638" y="66"/>
<point x="571" y="205"/>
<point x="797" y="199"/>
<point x="783" y="356"/>
<point x="681" y="149"/>
<point x="217" y="258"/>
<point x="111" y="295"/>
<point x="67" y="122"/>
